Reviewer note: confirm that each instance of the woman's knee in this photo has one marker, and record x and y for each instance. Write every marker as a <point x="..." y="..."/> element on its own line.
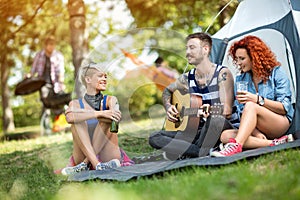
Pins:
<point x="250" y="106"/>
<point x="227" y="134"/>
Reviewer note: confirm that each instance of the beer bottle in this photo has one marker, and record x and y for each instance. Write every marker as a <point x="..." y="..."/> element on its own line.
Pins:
<point x="114" y="128"/>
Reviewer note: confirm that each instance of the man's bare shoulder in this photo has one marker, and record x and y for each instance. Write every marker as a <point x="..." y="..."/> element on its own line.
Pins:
<point x="181" y="83"/>
<point x="225" y="75"/>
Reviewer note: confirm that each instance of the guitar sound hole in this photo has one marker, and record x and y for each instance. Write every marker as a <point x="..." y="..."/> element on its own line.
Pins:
<point x="178" y="122"/>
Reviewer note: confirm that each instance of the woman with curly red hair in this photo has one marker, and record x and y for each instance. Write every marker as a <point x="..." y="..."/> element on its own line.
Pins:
<point x="265" y="109"/>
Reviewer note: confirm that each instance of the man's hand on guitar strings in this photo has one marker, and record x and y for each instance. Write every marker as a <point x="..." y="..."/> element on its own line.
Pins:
<point x="171" y="113"/>
<point x="204" y="111"/>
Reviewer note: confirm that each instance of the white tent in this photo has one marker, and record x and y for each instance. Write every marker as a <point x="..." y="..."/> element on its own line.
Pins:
<point x="277" y="22"/>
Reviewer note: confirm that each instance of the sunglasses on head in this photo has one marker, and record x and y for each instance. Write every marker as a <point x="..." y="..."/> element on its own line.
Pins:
<point x="88" y="67"/>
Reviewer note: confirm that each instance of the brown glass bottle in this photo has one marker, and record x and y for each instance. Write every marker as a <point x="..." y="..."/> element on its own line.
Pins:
<point x="114" y="128"/>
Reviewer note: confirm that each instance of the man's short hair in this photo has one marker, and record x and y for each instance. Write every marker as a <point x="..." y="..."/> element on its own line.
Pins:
<point x="203" y="37"/>
<point x="50" y="38"/>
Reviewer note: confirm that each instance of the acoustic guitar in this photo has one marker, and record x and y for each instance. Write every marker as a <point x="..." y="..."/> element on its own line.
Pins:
<point x="189" y="110"/>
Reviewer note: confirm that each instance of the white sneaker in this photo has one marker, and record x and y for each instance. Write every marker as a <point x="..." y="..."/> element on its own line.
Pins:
<point x="76" y="169"/>
<point x="114" y="163"/>
<point x="231" y="148"/>
<point x="290" y="138"/>
<point x="282" y="140"/>
<point x="218" y="148"/>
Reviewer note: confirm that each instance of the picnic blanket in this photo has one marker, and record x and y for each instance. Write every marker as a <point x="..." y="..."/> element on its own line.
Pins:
<point x="150" y="168"/>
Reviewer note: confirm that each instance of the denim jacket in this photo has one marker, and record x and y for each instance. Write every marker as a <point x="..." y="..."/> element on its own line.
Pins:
<point x="276" y="88"/>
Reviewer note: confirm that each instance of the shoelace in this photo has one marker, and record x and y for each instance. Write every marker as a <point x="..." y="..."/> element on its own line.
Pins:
<point x="107" y="165"/>
<point x="278" y="141"/>
<point x="229" y="148"/>
<point x="80" y="168"/>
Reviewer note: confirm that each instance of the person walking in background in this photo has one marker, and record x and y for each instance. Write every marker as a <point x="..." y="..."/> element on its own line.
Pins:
<point x="49" y="64"/>
<point x="95" y="145"/>
<point x="265" y="107"/>
<point x="210" y="84"/>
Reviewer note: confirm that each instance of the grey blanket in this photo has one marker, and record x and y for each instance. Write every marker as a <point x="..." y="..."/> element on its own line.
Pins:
<point x="150" y="168"/>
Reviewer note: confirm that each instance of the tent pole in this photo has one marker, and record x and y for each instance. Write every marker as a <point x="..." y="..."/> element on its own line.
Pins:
<point x="214" y="19"/>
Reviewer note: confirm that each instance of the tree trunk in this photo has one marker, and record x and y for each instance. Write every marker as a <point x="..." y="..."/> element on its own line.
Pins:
<point x="79" y="37"/>
<point x="7" y="117"/>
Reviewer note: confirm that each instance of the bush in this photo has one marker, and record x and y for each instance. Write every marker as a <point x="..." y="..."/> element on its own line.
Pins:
<point x="29" y="112"/>
<point x="136" y="95"/>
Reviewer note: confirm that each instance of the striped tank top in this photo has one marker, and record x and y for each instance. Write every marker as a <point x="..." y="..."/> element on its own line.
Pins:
<point x="210" y="93"/>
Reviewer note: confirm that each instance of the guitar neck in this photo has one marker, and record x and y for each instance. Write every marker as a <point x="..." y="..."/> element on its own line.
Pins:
<point x="194" y="111"/>
<point x="190" y="111"/>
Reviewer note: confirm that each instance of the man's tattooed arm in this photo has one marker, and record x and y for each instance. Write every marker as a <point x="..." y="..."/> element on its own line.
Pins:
<point x="166" y="98"/>
<point x="223" y="77"/>
<point x="226" y="85"/>
<point x="180" y="84"/>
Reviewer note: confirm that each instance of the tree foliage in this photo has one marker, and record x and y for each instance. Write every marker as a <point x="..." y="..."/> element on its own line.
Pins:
<point x="179" y="16"/>
<point x="136" y="95"/>
<point x="186" y="15"/>
<point x="29" y="112"/>
<point x="25" y="23"/>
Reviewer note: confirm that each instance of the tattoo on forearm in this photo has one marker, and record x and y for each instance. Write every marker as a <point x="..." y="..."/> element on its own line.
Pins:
<point x="166" y="98"/>
<point x="180" y="84"/>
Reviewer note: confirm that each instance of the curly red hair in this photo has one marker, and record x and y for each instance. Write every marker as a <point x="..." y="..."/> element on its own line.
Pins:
<point x="263" y="59"/>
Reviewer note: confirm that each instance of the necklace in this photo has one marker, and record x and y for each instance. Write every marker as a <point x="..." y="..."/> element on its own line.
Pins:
<point x="204" y="78"/>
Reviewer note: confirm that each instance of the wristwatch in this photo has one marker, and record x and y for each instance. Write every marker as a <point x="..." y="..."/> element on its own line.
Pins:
<point x="261" y="101"/>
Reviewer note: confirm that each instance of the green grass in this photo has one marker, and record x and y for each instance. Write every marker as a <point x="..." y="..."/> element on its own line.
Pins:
<point x="26" y="172"/>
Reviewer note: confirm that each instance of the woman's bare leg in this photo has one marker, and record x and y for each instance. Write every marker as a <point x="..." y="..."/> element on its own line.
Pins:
<point x="78" y="155"/>
<point x="258" y="134"/>
<point x="83" y="142"/>
<point x="251" y="143"/>
<point x="111" y="149"/>
<point x="105" y="143"/>
<point x="266" y="121"/>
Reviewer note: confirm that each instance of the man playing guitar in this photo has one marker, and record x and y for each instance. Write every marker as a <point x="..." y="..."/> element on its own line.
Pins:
<point x="212" y="84"/>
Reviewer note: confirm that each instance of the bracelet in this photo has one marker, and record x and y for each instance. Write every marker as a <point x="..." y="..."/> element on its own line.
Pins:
<point x="257" y="98"/>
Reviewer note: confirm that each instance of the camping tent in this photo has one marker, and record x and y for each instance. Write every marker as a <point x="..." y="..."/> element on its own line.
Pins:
<point x="278" y="24"/>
